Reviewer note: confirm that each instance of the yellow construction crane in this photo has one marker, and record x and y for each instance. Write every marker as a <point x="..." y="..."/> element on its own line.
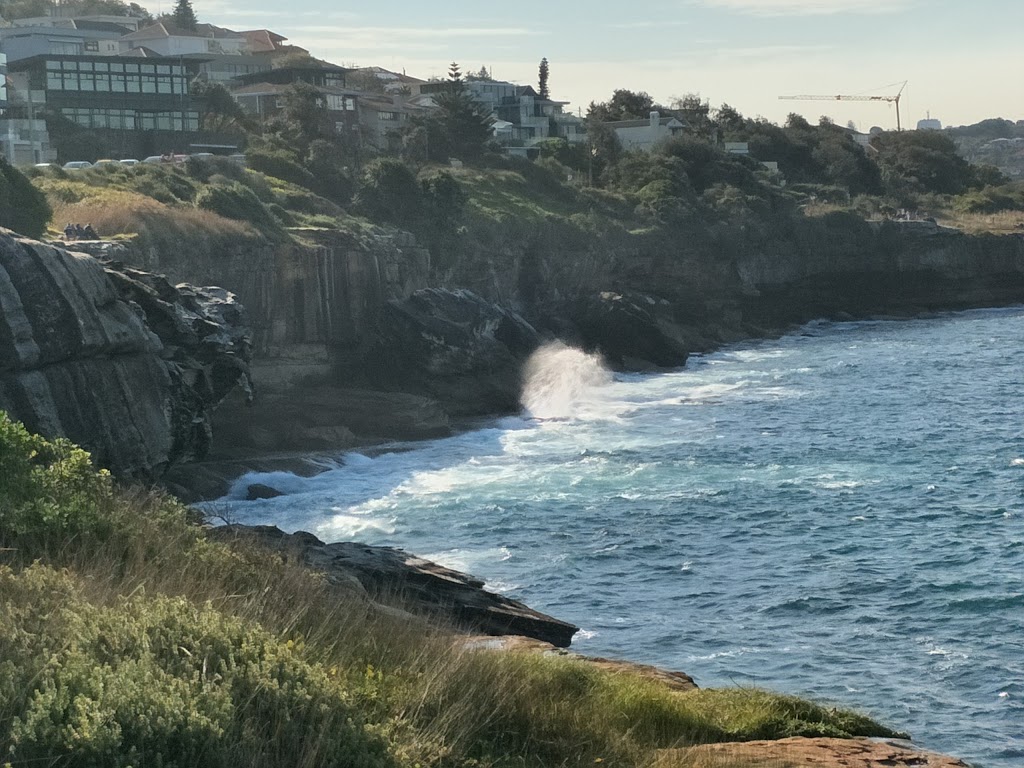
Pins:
<point x="861" y="97"/>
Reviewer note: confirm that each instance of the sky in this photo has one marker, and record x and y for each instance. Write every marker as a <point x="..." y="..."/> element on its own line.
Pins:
<point x="963" y="60"/>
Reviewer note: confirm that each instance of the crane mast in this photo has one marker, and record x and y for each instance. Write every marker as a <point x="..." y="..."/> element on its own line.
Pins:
<point x="857" y="97"/>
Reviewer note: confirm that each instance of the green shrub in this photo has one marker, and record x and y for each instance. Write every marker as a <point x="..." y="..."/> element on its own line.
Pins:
<point x="23" y="208"/>
<point x="388" y="191"/>
<point x="1007" y="197"/>
<point x="279" y="165"/>
<point x="161" y="682"/>
<point x="49" y="491"/>
<point x="236" y="202"/>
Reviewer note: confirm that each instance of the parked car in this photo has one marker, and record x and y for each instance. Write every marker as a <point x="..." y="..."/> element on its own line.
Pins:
<point x="128" y="161"/>
<point x="165" y="159"/>
<point x="45" y="165"/>
<point x="104" y="162"/>
<point x="77" y="165"/>
<point x="201" y="155"/>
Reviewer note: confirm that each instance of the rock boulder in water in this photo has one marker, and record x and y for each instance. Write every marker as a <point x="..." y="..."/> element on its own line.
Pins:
<point x="453" y="346"/>
<point x="116" y="360"/>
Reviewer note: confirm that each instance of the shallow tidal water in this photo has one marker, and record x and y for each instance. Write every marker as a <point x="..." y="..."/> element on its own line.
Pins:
<point x="838" y="514"/>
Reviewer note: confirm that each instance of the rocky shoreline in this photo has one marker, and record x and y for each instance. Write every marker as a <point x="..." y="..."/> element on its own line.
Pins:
<point x="133" y="369"/>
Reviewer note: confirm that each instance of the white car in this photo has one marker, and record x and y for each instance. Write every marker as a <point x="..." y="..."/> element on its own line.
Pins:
<point x="77" y="165"/>
<point x="128" y="161"/>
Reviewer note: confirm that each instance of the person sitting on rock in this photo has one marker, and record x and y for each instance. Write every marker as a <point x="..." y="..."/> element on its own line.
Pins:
<point x="69" y="232"/>
<point x="90" y="233"/>
<point x="79" y="232"/>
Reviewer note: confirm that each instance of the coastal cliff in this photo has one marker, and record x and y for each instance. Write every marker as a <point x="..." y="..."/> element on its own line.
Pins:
<point x="363" y="339"/>
<point x="115" y="359"/>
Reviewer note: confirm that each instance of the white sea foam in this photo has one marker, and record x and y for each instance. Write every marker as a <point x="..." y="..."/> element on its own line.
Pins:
<point x="560" y="381"/>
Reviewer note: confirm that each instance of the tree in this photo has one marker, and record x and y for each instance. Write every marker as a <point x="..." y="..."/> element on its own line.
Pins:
<point x="623" y="105"/>
<point x="542" y="80"/>
<point x="183" y="16"/>
<point x="460" y="128"/>
<point x="729" y="120"/>
<point x="483" y="76"/>
<point x="303" y="118"/>
<point x="922" y="161"/>
<point x="218" y="110"/>
<point x="695" y="111"/>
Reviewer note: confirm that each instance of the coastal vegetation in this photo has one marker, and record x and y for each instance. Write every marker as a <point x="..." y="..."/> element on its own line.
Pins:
<point x="128" y="638"/>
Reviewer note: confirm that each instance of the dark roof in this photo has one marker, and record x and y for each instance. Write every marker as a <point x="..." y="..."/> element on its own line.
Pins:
<point x="141" y="51"/>
<point x="160" y="29"/>
<point x="101" y="26"/>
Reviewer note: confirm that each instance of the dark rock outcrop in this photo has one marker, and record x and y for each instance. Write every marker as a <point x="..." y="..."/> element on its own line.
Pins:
<point x="629" y="331"/>
<point x="117" y="360"/>
<point x="453" y="346"/>
<point x="386" y="573"/>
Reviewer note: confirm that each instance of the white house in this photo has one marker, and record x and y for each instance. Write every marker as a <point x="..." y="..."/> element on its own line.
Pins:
<point x="644" y="134"/>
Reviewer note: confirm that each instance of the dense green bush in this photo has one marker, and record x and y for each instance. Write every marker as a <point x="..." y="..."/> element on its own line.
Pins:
<point x="49" y="491"/>
<point x="23" y="208"/>
<point x="1007" y="197"/>
<point x="280" y="165"/>
<point x="160" y="682"/>
<point x="387" y="191"/>
<point x="234" y="201"/>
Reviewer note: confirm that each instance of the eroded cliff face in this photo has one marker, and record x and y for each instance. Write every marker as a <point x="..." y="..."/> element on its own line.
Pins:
<point x="116" y="360"/>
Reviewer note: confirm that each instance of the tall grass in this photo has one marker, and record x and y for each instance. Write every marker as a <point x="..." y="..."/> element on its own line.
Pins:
<point x="129" y="638"/>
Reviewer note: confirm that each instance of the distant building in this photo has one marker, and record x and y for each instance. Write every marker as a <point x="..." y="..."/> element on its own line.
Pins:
<point x="929" y="124"/>
<point x="644" y="134"/>
<point x="737" y="148"/>
<point x="134" y="106"/>
<point x="262" y="93"/>
<point x="521" y="116"/>
<point x="75" y="37"/>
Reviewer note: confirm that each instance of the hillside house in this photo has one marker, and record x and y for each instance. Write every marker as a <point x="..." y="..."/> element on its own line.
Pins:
<point x="642" y="135"/>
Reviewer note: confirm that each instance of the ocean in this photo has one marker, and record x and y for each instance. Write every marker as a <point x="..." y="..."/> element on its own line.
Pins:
<point x="838" y="514"/>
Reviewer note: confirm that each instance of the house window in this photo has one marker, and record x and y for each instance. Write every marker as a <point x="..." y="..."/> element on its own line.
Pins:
<point x="92" y="45"/>
<point x="392" y="116"/>
<point x="336" y="103"/>
<point x="339" y="127"/>
<point x="350" y="104"/>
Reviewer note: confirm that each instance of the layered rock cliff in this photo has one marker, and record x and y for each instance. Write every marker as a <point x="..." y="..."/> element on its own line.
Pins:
<point x="117" y="360"/>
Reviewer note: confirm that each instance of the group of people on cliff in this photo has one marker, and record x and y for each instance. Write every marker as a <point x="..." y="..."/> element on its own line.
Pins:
<point x="78" y="232"/>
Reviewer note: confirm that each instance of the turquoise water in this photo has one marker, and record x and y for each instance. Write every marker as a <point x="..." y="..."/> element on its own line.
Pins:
<point x="837" y="514"/>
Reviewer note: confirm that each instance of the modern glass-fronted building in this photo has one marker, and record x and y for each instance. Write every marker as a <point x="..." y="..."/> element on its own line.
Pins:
<point x="136" y="106"/>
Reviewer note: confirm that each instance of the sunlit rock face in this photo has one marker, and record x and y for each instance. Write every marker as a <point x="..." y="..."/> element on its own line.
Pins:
<point x="117" y="360"/>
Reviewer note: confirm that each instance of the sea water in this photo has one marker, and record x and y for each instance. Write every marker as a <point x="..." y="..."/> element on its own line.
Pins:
<point x="837" y="514"/>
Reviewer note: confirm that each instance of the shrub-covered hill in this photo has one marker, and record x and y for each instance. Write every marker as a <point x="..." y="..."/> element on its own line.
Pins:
<point x="128" y="639"/>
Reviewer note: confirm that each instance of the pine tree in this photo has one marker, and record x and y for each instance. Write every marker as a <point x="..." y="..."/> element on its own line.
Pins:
<point x="183" y="16"/>
<point x="542" y="90"/>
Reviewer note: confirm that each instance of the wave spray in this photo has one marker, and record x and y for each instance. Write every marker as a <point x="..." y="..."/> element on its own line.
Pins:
<point x="559" y="380"/>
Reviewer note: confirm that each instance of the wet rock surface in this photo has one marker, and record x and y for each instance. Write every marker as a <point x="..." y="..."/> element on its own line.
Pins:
<point x="421" y="586"/>
<point x="453" y="346"/>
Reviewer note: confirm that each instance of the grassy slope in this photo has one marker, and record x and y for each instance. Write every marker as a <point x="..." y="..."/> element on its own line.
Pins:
<point x="127" y="639"/>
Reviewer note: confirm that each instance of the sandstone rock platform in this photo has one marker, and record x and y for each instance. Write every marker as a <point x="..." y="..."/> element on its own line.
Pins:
<point x="808" y="753"/>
